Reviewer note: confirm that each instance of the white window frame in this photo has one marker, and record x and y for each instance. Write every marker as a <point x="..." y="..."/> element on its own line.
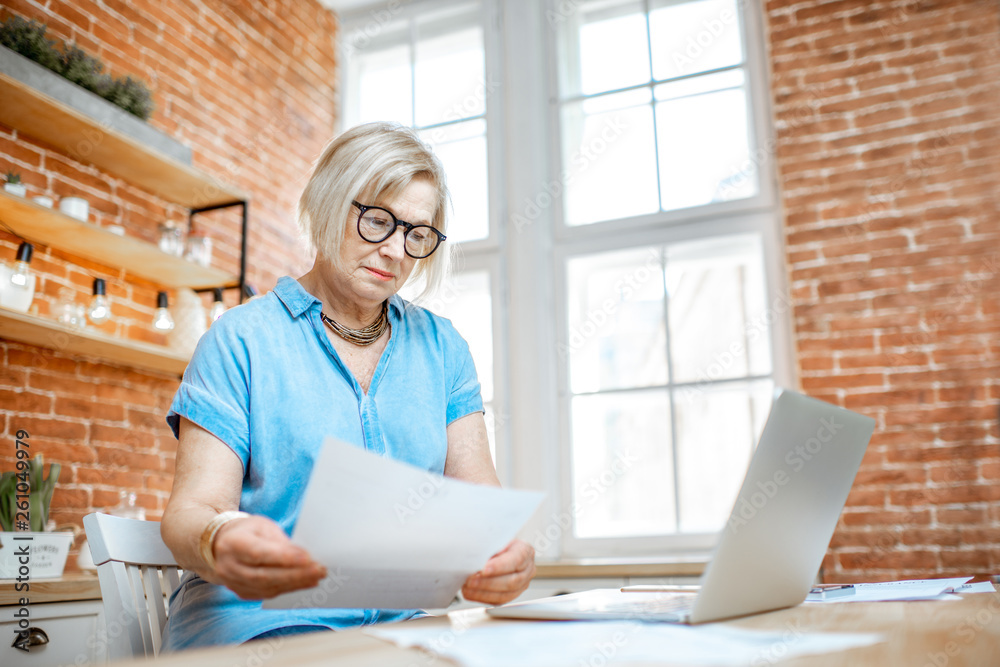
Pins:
<point x="527" y="261"/>
<point x="370" y="21"/>
<point x="757" y="214"/>
<point x="481" y="254"/>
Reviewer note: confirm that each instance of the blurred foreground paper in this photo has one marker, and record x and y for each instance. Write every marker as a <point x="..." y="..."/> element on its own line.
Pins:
<point x="393" y="536"/>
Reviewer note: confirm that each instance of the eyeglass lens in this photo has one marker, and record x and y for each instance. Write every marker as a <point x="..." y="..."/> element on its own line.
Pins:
<point x="376" y="225"/>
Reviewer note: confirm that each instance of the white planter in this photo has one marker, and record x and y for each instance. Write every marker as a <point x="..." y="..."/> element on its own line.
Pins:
<point x="46" y="554"/>
<point x="16" y="189"/>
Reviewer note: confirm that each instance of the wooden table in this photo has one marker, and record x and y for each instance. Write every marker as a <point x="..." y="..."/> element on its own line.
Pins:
<point x="918" y="634"/>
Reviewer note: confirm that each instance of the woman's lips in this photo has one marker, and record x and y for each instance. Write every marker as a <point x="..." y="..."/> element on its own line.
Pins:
<point x="381" y="275"/>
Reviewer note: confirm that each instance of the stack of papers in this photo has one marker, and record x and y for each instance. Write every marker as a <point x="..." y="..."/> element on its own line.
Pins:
<point x="393" y="536"/>
<point x="571" y="643"/>
<point x="913" y="589"/>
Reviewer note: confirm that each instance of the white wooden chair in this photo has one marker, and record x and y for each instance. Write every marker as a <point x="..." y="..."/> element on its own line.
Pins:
<point x="137" y="574"/>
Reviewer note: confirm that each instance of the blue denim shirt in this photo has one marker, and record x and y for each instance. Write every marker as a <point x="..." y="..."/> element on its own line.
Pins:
<point x="266" y="381"/>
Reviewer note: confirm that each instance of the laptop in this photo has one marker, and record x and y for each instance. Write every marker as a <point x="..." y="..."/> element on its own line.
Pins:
<point x="773" y="544"/>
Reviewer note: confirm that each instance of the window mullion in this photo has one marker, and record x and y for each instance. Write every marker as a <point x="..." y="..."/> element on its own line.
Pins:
<point x="672" y="415"/>
<point x="413" y="71"/>
<point x="652" y="102"/>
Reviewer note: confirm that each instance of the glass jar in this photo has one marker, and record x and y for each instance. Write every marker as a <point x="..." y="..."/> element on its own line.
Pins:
<point x="128" y="506"/>
<point x="171" y="239"/>
<point x="199" y="249"/>
<point x="66" y="311"/>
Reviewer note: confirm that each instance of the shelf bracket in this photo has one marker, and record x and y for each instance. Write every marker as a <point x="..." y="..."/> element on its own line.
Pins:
<point x="245" y="205"/>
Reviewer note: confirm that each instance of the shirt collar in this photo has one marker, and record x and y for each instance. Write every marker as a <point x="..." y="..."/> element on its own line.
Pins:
<point x="297" y="300"/>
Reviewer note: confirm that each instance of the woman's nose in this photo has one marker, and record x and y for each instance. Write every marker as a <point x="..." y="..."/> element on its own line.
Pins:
<point x="394" y="246"/>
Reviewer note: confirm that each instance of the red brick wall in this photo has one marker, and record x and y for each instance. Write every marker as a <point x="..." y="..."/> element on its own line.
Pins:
<point x="250" y="87"/>
<point x="889" y="157"/>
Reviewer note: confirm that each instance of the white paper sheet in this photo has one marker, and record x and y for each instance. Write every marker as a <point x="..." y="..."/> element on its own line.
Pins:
<point x="912" y="589"/>
<point x="572" y="643"/>
<point x="978" y="587"/>
<point x="393" y="536"/>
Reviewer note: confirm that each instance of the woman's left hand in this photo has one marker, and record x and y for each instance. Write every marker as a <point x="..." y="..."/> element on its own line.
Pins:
<point x="505" y="576"/>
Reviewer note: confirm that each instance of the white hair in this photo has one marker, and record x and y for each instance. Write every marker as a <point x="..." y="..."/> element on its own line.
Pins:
<point x="371" y="162"/>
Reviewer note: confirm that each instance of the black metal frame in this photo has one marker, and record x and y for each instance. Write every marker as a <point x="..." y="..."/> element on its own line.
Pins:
<point x="244" y="288"/>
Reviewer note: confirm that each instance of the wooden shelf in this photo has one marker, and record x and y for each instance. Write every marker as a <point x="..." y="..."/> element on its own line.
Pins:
<point x="66" y="588"/>
<point x="50" y="227"/>
<point x="47" y="333"/>
<point x="80" y="136"/>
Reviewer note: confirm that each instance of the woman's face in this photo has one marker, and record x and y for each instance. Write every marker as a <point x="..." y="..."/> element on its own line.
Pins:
<point x="376" y="271"/>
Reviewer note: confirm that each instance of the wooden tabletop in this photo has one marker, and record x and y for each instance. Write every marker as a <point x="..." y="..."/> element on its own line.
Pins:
<point x="65" y="589"/>
<point x="939" y="633"/>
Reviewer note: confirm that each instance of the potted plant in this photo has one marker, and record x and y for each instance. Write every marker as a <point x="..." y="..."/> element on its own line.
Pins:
<point x="25" y="498"/>
<point x="29" y="39"/>
<point x="14" y="184"/>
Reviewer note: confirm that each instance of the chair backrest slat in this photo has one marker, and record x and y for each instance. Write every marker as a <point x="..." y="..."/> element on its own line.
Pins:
<point x="157" y="612"/>
<point x="131" y="557"/>
<point x="138" y="602"/>
<point x="173" y="578"/>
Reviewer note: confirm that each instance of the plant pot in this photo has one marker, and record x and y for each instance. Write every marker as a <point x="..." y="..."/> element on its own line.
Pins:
<point x="16" y="189"/>
<point x="46" y="554"/>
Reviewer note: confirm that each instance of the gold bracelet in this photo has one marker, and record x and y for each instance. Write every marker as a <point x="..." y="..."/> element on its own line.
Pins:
<point x="211" y="530"/>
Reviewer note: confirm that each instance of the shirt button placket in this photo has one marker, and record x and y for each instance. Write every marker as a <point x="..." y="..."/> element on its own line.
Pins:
<point x="370" y="426"/>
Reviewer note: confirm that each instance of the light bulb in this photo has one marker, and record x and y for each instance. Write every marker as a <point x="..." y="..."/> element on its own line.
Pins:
<point x="20" y="275"/>
<point x="162" y="319"/>
<point x="99" y="311"/>
<point x="18" y="288"/>
<point x="215" y="312"/>
<point x="22" y="269"/>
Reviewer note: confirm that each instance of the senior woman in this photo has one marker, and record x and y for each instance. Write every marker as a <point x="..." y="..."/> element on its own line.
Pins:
<point x="335" y="353"/>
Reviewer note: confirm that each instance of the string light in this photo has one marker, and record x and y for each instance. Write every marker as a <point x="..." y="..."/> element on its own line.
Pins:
<point x="162" y="319"/>
<point x="99" y="311"/>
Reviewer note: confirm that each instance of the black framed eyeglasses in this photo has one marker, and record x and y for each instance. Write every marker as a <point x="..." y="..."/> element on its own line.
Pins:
<point x="376" y="224"/>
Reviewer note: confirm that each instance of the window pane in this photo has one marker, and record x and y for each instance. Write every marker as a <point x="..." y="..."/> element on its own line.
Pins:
<point x="717" y="429"/>
<point x="450" y="77"/>
<point x="719" y="321"/>
<point x="462" y="150"/>
<point x="693" y="37"/>
<point x="613" y="51"/>
<point x="617" y="330"/>
<point x="609" y="163"/>
<point x="465" y="300"/>
<point x="622" y="465"/>
<point x="428" y="72"/>
<point x="700" y="138"/>
<point x="704" y="148"/>
<point x="384" y="85"/>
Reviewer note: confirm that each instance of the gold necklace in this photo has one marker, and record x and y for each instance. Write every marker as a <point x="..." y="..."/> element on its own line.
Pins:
<point x="364" y="336"/>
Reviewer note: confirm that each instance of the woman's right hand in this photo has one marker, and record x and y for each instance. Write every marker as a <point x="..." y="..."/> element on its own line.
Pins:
<point x="256" y="560"/>
<point x="253" y="555"/>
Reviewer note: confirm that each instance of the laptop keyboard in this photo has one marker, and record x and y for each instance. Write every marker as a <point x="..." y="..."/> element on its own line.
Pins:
<point x="663" y="603"/>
